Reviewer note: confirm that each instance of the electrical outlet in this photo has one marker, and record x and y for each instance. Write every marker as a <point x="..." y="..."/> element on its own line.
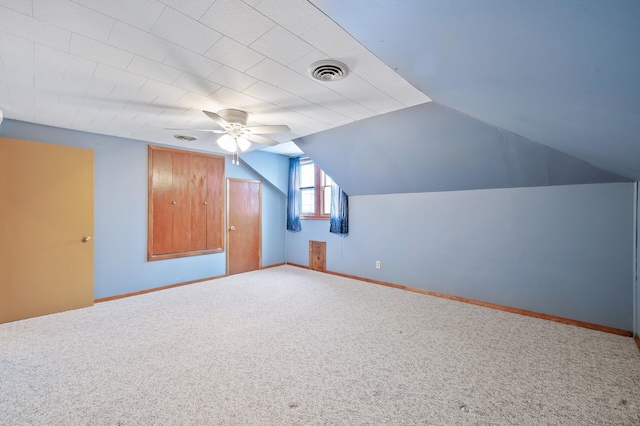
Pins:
<point x="377" y="264"/>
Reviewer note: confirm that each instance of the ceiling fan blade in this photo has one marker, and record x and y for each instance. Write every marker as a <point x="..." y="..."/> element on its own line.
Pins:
<point x="217" y="119"/>
<point x="269" y="129"/>
<point x="260" y="139"/>
<point x="197" y="130"/>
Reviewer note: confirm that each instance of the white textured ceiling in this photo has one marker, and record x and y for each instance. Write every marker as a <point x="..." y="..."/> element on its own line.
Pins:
<point x="131" y="68"/>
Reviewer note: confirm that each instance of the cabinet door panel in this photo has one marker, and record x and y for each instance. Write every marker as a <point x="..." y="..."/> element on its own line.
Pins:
<point x="215" y="204"/>
<point x="199" y="203"/>
<point x="161" y="197"/>
<point x="181" y="203"/>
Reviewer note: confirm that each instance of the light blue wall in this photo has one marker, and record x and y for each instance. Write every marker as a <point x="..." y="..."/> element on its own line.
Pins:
<point x="562" y="250"/>
<point x="274" y="168"/>
<point x="120" y="223"/>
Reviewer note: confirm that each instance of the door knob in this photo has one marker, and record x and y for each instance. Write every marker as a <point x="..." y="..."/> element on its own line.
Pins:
<point x="233" y="228"/>
<point x="86" y="238"/>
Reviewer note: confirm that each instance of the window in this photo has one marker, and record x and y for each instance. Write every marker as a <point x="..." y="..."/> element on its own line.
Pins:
<point x="315" y="191"/>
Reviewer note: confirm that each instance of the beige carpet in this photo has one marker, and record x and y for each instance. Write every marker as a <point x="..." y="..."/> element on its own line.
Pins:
<point x="291" y="346"/>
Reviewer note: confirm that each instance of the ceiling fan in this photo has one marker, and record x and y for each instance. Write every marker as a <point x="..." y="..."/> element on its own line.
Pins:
<point x="236" y="135"/>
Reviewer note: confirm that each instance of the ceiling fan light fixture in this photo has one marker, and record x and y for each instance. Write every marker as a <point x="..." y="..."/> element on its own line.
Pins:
<point x="227" y="143"/>
<point x="243" y="144"/>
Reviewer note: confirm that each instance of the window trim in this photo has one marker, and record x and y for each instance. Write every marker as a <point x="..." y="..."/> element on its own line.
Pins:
<point x="318" y="188"/>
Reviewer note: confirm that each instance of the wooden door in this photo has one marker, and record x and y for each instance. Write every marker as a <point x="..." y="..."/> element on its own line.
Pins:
<point x="244" y="225"/>
<point x="318" y="255"/>
<point x="46" y="210"/>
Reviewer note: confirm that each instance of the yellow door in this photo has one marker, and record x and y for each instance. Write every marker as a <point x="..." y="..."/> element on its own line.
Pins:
<point x="46" y="211"/>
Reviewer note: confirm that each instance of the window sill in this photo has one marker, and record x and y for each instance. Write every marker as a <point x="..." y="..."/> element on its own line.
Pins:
<point x="314" y="217"/>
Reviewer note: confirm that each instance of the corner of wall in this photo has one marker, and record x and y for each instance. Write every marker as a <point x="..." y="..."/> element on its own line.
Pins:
<point x="636" y="257"/>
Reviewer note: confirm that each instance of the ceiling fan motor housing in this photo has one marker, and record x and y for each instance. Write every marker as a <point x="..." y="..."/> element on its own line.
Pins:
<point x="234" y="116"/>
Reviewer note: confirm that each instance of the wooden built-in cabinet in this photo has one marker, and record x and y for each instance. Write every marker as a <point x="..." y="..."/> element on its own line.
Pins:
<point x="186" y="203"/>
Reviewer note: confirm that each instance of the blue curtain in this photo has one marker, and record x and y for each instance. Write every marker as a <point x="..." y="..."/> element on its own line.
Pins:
<point x="293" y="198"/>
<point x="339" y="221"/>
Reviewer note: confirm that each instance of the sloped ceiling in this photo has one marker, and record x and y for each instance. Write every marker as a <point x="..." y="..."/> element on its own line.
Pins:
<point x="560" y="74"/>
<point x="431" y="147"/>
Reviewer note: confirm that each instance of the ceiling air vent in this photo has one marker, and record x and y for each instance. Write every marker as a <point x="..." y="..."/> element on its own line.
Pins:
<point x="185" y="138"/>
<point x="328" y="70"/>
